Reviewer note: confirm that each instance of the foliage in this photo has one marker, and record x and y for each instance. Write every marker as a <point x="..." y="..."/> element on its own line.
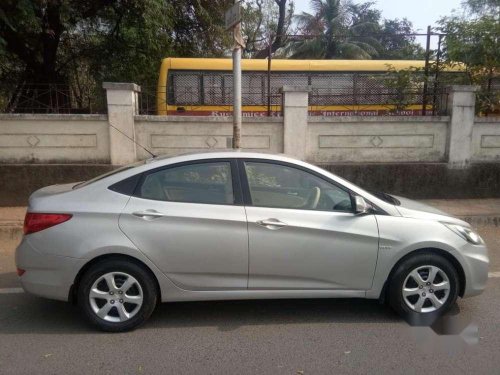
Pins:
<point x="266" y="22"/>
<point x="473" y="40"/>
<point x="332" y="32"/>
<point x="342" y="29"/>
<point x="396" y="43"/>
<point x="483" y="7"/>
<point x="198" y="28"/>
<point x="80" y="43"/>
<point x="403" y="86"/>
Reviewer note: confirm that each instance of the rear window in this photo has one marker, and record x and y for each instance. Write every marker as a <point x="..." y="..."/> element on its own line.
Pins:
<point x="108" y="174"/>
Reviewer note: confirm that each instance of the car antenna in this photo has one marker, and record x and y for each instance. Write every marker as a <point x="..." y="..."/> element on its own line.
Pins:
<point x="133" y="140"/>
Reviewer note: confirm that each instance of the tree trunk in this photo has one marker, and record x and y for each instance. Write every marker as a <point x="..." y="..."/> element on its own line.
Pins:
<point x="42" y="89"/>
<point x="280" y="30"/>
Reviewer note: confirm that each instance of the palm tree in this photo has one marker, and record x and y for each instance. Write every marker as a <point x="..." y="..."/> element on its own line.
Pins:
<point x="337" y="29"/>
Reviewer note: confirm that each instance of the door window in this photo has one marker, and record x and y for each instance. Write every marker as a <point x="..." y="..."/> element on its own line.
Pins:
<point x="194" y="183"/>
<point x="281" y="186"/>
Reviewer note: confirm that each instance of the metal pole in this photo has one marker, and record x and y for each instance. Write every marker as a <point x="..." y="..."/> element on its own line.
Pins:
<point x="269" y="78"/>
<point x="436" y="76"/>
<point x="237" y="91"/>
<point x="488" y="92"/>
<point x="426" y="78"/>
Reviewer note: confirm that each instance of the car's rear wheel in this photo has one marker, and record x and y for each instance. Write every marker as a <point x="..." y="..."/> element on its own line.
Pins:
<point x="423" y="286"/>
<point x="117" y="295"/>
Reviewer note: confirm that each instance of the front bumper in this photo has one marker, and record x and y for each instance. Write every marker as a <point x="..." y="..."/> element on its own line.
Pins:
<point x="49" y="276"/>
<point x="475" y="262"/>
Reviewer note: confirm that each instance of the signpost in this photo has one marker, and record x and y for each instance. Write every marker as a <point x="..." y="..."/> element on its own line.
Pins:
<point x="233" y="16"/>
<point x="233" y="21"/>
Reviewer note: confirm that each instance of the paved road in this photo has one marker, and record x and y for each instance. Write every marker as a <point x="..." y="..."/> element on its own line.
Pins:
<point x="251" y="337"/>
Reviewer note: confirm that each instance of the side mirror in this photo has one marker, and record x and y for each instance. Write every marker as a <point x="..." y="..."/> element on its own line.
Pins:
<point x="361" y="207"/>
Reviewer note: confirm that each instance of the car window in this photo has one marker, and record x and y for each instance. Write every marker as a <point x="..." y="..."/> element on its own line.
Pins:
<point x="194" y="183"/>
<point x="108" y="174"/>
<point x="281" y="186"/>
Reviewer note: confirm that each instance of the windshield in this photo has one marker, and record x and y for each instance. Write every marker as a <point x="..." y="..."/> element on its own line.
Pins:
<point x="110" y="173"/>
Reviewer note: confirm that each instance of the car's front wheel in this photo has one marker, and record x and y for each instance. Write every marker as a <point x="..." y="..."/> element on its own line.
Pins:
<point x="117" y="295"/>
<point x="423" y="286"/>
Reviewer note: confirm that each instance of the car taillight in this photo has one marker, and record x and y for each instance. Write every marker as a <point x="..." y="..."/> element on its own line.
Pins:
<point x="35" y="222"/>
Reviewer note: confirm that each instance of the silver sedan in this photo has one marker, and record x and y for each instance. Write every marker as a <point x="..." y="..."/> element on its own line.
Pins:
<point x="239" y="225"/>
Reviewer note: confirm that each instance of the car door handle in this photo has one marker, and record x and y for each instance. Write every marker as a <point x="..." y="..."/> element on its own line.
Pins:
<point x="148" y="214"/>
<point x="271" y="223"/>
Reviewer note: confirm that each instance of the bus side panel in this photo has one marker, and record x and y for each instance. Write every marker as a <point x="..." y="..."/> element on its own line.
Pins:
<point x="161" y="90"/>
<point x="314" y="110"/>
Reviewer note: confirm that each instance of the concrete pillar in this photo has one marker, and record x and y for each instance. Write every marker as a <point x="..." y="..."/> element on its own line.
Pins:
<point x="122" y="106"/>
<point x="461" y="103"/>
<point x="295" y="112"/>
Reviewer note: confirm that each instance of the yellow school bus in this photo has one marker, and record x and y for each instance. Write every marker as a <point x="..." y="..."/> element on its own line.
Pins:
<point x="203" y="86"/>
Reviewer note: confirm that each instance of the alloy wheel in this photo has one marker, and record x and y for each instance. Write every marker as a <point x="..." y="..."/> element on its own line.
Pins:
<point x="426" y="289"/>
<point x="116" y="297"/>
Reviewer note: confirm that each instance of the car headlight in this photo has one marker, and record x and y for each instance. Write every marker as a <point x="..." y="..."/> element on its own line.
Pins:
<point x="466" y="233"/>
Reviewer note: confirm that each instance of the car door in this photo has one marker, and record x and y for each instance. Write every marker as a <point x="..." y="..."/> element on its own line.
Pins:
<point x="303" y="233"/>
<point x="189" y="220"/>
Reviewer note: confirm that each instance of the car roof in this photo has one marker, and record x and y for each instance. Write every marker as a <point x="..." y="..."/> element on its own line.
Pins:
<point x="200" y="155"/>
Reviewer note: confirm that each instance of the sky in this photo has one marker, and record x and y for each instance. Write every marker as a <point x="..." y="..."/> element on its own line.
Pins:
<point x="420" y="12"/>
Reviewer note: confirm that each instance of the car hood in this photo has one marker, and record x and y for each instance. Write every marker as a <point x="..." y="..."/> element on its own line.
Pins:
<point x="417" y="210"/>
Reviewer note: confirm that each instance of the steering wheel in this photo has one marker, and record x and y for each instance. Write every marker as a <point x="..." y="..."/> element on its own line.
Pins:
<point x="313" y="198"/>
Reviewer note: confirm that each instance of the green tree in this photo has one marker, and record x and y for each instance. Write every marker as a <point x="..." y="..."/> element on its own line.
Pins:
<point x="342" y="29"/>
<point x="396" y="42"/>
<point x="197" y="27"/>
<point x="404" y="87"/>
<point x="336" y="29"/>
<point x="266" y="22"/>
<point x="473" y="39"/>
<point x="47" y="37"/>
<point x="80" y="43"/>
<point x="483" y="7"/>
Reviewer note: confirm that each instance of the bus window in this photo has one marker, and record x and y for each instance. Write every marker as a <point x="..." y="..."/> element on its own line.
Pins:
<point x="278" y="80"/>
<point x="213" y="89"/>
<point x="332" y="88"/>
<point x="371" y="89"/>
<point x="252" y="89"/>
<point x="186" y="88"/>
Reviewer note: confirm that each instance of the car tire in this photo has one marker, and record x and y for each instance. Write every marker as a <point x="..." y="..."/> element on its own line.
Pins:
<point x="128" y="303"/>
<point x="417" y="298"/>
